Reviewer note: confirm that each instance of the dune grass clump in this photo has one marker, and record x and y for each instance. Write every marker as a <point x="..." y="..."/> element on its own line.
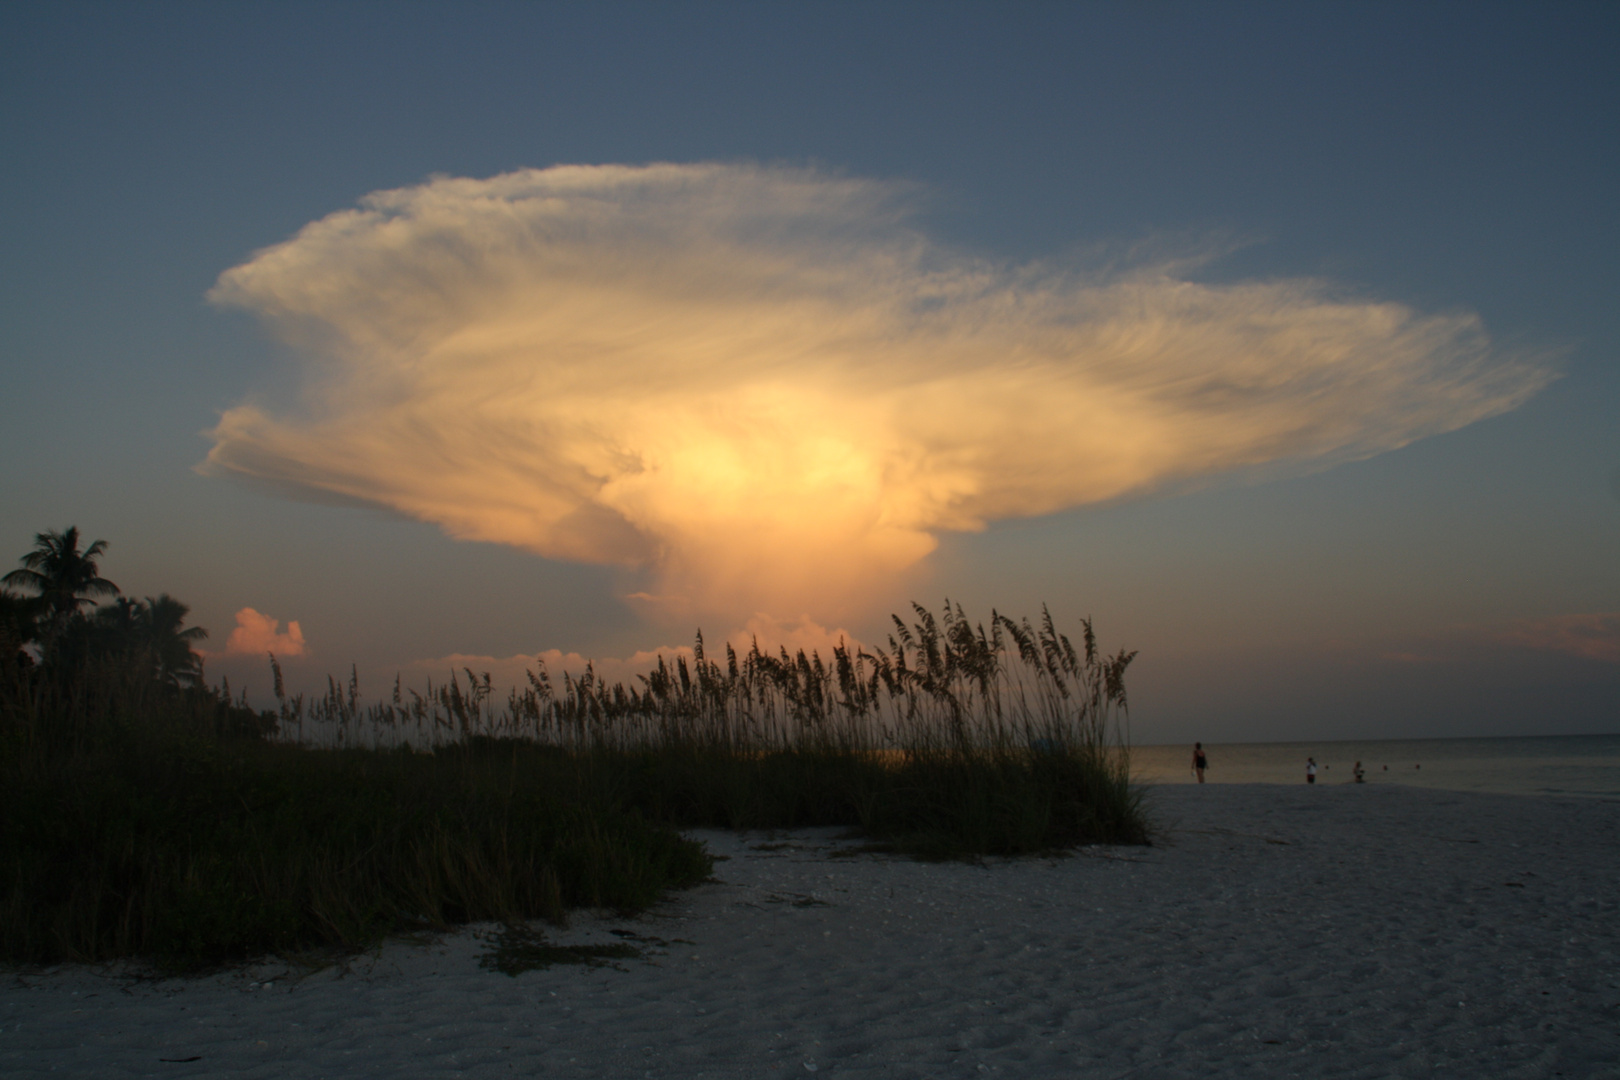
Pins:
<point x="174" y="824"/>
<point x="195" y="851"/>
<point x="958" y="739"/>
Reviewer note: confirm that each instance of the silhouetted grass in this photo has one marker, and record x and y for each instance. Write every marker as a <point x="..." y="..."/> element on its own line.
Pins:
<point x="170" y="826"/>
<point x="992" y="802"/>
<point x="195" y="851"/>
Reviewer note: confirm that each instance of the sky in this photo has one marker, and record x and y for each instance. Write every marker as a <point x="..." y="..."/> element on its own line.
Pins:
<point x="1278" y="339"/>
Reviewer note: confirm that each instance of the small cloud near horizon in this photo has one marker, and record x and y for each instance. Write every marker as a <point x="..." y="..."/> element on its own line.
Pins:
<point x="256" y="635"/>
<point x="768" y="390"/>
<point x="1592" y="636"/>
<point x="771" y="634"/>
<point x="1407" y="656"/>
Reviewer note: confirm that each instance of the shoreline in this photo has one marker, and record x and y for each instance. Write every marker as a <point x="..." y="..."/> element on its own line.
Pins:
<point x="1341" y="930"/>
<point x="1582" y="766"/>
<point x="1577" y="796"/>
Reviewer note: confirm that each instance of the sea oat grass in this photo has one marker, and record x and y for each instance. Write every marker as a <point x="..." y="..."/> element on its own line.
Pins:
<point x="199" y="854"/>
<point x="184" y="828"/>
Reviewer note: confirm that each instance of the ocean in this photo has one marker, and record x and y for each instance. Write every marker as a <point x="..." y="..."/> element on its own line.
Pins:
<point x="1585" y="765"/>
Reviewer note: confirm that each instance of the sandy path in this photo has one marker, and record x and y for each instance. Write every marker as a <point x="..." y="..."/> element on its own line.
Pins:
<point x="1335" y="931"/>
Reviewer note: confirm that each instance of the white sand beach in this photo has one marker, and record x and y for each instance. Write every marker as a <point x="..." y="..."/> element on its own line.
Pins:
<point x="1372" y="931"/>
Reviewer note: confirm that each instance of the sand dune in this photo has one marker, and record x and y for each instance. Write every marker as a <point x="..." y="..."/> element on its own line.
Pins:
<point x="1335" y="931"/>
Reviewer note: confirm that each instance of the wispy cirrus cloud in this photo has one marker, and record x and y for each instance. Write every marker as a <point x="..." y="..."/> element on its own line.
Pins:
<point x="767" y="387"/>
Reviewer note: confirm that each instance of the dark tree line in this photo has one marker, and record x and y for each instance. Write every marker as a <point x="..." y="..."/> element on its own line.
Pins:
<point x="57" y="582"/>
<point x="70" y="664"/>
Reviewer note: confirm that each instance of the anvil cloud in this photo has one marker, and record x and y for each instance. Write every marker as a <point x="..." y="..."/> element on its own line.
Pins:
<point x="769" y="389"/>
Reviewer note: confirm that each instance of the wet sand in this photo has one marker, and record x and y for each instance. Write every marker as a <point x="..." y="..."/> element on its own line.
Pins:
<point x="1370" y="931"/>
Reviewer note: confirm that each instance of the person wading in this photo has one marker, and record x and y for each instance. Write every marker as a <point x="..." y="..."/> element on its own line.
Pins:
<point x="1199" y="761"/>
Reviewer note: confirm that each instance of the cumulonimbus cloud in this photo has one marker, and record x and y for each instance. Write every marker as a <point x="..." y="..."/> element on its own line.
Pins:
<point x="768" y="387"/>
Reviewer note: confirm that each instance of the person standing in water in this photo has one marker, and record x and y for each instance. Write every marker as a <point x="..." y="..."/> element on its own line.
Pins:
<point x="1359" y="773"/>
<point x="1310" y="770"/>
<point x="1199" y="761"/>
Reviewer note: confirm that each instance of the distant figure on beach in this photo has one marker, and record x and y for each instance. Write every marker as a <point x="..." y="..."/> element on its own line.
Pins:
<point x="1199" y="762"/>
<point x="1359" y="773"/>
<point x="1310" y="770"/>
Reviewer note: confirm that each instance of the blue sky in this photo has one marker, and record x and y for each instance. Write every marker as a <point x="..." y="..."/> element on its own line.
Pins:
<point x="1457" y="160"/>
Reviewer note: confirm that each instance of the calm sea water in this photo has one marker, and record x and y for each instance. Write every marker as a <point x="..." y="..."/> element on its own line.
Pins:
<point x="1558" y="765"/>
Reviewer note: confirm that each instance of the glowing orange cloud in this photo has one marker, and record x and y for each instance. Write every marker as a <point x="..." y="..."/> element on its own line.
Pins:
<point x="257" y="634"/>
<point x="765" y="386"/>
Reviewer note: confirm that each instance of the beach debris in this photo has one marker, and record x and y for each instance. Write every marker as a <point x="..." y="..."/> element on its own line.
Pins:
<point x="799" y="900"/>
<point x="519" y="949"/>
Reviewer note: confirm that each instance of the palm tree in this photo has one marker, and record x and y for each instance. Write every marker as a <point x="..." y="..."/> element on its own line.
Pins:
<point x="177" y="662"/>
<point x="64" y="577"/>
<point x="19" y="625"/>
<point x="118" y="629"/>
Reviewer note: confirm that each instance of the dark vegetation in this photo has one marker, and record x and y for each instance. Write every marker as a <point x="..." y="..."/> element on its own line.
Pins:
<point x="144" y="813"/>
